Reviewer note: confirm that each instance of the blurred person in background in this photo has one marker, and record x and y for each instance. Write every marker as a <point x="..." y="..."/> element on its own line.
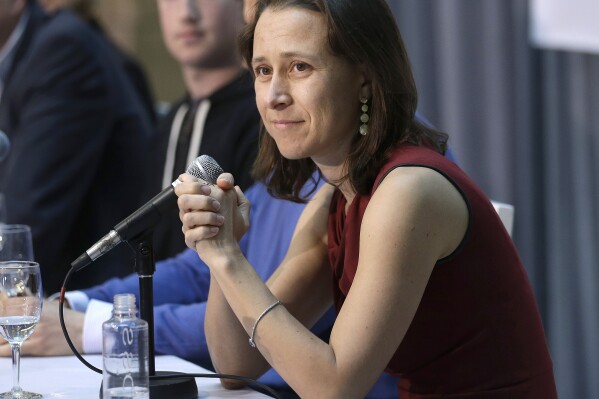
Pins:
<point x="217" y="109"/>
<point x="85" y="9"/>
<point x="217" y="116"/>
<point x="78" y="131"/>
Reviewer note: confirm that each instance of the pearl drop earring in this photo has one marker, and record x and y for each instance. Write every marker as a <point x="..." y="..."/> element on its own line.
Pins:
<point x="364" y="118"/>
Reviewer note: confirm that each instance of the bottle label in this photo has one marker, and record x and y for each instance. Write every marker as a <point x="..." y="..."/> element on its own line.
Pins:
<point x="128" y="361"/>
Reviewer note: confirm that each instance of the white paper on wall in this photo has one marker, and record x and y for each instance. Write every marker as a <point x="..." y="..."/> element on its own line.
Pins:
<point x="565" y="24"/>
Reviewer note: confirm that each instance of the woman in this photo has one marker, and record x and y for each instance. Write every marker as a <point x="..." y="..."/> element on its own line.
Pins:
<point x="427" y="283"/>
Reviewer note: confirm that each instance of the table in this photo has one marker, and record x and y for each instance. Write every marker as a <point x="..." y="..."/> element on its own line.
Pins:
<point x="65" y="377"/>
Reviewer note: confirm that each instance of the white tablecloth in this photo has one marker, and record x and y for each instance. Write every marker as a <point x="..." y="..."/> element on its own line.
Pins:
<point x="67" y="378"/>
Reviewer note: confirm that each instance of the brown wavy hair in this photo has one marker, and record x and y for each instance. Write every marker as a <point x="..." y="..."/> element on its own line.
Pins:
<point x="364" y="32"/>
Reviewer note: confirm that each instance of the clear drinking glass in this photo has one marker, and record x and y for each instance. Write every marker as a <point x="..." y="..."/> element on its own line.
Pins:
<point x="20" y="311"/>
<point x="15" y="242"/>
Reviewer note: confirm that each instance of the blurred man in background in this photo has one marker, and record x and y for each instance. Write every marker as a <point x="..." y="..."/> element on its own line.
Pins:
<point x="86" y="10"/>
<point x="77" y="128"/>
<point x="218" y="115"/>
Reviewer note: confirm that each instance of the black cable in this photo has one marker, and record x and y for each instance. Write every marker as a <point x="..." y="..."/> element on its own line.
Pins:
<point x="64" y="327"/>
<point x="247" y="380"/>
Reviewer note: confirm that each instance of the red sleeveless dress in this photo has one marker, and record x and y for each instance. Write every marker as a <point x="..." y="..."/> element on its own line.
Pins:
<point x="477" y="332"/>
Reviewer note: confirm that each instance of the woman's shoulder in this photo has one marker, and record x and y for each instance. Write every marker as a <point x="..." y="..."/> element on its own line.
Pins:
<point x="419" y="194"/>
<point x="418" y="181"/>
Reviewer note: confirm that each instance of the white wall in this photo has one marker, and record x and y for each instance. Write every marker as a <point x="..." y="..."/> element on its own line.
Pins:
<point x="571" y="25"/>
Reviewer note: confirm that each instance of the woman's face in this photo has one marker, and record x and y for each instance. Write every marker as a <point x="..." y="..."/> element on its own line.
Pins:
<point x="309" y="99"/>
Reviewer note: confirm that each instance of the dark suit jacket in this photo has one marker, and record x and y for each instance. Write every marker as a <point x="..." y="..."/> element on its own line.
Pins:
<point x="80" y="143"/>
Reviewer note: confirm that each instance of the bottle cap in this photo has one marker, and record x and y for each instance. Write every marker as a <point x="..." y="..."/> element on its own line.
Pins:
<point x="124" y="302"/>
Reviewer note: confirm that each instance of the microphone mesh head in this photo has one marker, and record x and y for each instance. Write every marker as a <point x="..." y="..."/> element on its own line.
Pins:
<point x="205" y="167"/>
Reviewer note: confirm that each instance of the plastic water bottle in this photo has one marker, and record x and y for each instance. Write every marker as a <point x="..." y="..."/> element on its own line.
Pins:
<point x="125" y="352"/>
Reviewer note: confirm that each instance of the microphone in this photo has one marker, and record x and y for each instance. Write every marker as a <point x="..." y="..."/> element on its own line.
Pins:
<point x="203" y="167"/>
<point x="4" y="145"/>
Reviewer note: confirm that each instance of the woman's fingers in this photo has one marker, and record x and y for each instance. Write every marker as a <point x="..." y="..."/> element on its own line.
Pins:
<point x="203" y="208"/>
<point x="190" y="203"/>
<point x="195" y="219"/>
<point x="186" y="178"/>
<point x="191" y="185"/>
<point x="193" y="236"/>
<point x="225" y="181"/>
<point x="199" y="215"/>
<point x="243" y="205"/>
<point x="199" y="226"/>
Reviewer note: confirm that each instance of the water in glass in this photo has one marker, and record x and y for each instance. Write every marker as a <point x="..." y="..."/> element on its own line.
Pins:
<point x="20" y="311"/>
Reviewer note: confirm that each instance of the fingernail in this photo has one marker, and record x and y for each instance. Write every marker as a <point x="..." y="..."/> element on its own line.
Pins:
<point x="213" y="230"/>
<point x="205" y="189"/>
<point x="216" y="205"/>
<point x="220" y="218"/>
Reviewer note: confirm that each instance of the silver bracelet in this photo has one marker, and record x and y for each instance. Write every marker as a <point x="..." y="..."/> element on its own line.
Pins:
<point x="268" y="309"/>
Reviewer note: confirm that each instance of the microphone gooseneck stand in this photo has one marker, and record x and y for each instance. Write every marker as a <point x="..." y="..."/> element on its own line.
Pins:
<point x="136" y="230"/>
<point x="163" y="384"/>
<point x="184" y="387"/>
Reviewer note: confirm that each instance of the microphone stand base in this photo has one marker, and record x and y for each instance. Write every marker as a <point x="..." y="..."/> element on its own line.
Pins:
<point x="183" y="387"/>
